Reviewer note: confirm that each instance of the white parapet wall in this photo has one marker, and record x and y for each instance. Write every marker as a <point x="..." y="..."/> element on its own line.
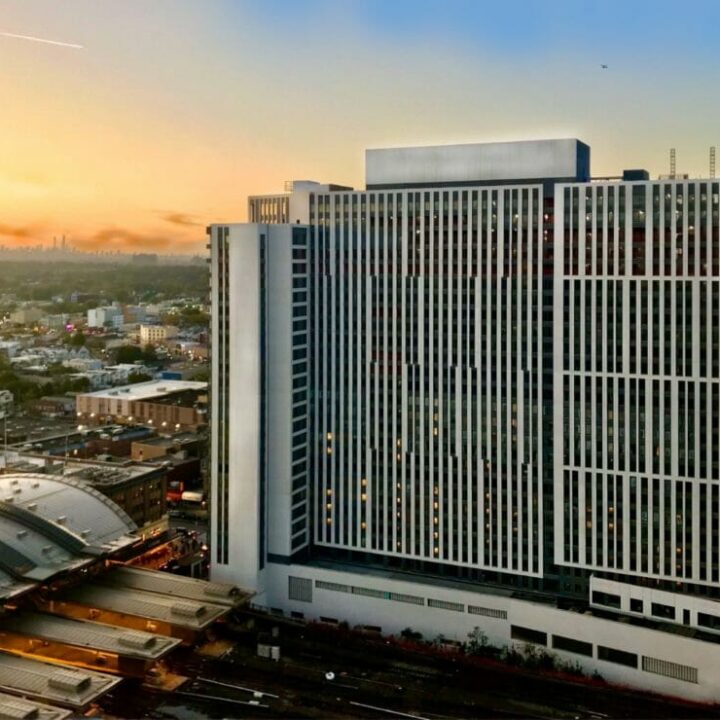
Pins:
<point x="622" y="653"/>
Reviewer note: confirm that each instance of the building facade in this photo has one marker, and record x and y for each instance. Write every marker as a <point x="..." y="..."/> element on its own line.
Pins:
<point x="637" y="399"/>
<point x="484" y="376"/>
<point x="169" y="405"/>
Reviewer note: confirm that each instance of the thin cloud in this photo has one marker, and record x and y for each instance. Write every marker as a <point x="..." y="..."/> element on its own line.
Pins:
<point x="178" y="218"/>
<point x="116" y="238"/>
<point x="112" y="239"/>
<point x="14" y="231"/>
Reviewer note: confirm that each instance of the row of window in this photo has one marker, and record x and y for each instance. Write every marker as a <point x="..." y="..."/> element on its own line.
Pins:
<point x="411" y="599"/>
<point x="667" y="668"/>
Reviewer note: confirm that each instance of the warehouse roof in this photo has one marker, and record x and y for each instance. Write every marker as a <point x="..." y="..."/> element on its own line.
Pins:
<point x="58" y="684"/>
<point x="154" y="606"/>
<point x="147" y="390"/>
<point x="24" y="709"/>
<point x="177" y="586"/>
<point x="83" y="633"/>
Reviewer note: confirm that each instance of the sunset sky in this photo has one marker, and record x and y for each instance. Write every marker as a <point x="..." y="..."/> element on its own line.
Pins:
<point x="175" y="110"/>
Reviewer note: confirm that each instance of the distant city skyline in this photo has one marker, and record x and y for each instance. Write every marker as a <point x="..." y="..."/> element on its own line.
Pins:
<point x="159" y="119"/>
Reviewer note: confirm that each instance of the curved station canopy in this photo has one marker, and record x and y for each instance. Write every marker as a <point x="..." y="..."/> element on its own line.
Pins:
<point x="49" y="525"/>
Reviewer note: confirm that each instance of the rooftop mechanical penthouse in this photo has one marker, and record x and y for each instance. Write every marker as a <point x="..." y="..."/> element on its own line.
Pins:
<point x="481" y="392"/>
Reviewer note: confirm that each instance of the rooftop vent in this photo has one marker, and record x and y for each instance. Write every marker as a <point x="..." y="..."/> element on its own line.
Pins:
<point x="18" y="709"/>
<point x="221" y="590"/>
<point x="139" y="641"/>
<point x="188" y="610"/>
<point x="69" y="681"/>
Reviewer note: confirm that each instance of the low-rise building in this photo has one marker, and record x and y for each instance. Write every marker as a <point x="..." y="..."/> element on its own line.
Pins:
<point x="9" y="347"/>
<point x="134" y="314"/>
<point x="164" y="404"/>
<point x="154" y="334"/>
<point x="140" y="490"/>
<point x="55" y="322"/>
<point x="54" y="405"/>
<point x="26" y="315"/>
<point x="107" y="316"/>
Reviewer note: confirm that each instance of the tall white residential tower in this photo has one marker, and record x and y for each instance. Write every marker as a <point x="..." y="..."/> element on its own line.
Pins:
<point x="481" y="392"/>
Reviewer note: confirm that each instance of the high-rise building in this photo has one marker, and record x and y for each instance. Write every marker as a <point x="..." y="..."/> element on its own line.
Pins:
<point x="481" y="392"/>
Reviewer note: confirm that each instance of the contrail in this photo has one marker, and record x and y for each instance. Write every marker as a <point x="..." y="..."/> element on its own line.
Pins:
<point x="43" y="40"/>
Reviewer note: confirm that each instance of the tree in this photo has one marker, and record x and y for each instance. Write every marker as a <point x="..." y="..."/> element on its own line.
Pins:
<point x="410" y="634"/>
<point x="77" y="339"/>
<point x="128" y="354"/>
<point x="56" y="369"/>
<point x="477" y="641"/>
<point x="149" y="355"/>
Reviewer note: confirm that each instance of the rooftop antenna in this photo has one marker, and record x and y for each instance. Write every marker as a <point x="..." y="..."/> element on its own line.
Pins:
<point x="672" y="163"/>
<point x="712" y="161"/>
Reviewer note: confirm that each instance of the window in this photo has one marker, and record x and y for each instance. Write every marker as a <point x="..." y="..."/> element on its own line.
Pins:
<point x="606" y="599"/>
<point x="411" y="599"/>
<point x="367" y="592"/>
<point x="619" y="657"/>
<point x="574" y="646"/>
<point x="709" y="621"/>
<point x="663" y="611"/>
<point x="528" y="635"/>
<point x="636" y="605"/>
<point x="444" y="605"/>
<point x="337" y="587"/>
<point x="487" y="612"/>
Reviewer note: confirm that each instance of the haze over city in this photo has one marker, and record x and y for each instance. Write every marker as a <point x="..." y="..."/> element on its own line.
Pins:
<point x="169" y="113"/>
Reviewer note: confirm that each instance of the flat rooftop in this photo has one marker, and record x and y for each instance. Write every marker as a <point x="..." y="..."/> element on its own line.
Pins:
<point x="478" y="163"/>
<point x="147" y="390"/>
<point x="24" y="709"/>
<point x="182" y="588"/>
<point x="50" y="682"/>
<point x="181" y="612"/>
<point x="87" y="634"/>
